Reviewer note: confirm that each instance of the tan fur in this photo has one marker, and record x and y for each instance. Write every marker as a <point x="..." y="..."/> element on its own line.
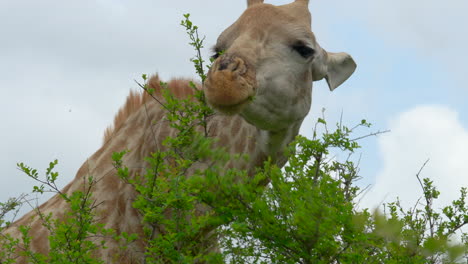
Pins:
<point x="178" y="87"/>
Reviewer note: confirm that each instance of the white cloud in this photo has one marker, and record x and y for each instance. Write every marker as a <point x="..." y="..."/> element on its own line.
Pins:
<point x="421" y="133"/>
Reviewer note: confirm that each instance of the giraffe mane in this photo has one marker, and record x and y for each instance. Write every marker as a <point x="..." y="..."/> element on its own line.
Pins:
<point x="179" y="87"/>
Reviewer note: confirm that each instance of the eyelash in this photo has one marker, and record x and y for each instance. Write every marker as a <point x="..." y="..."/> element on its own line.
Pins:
<point x="303" y="50"/>
<point x="217" y="52"/>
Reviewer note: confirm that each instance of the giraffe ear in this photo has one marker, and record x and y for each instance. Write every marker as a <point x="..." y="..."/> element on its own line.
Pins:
<point x="336" y="68"/>
<point x="340" y="67"/>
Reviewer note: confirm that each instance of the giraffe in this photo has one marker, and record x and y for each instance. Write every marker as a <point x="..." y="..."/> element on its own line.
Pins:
<point x="261" y="84"/>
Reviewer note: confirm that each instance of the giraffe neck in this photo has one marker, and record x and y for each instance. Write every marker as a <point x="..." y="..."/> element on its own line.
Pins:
<point x="274" y="143"/>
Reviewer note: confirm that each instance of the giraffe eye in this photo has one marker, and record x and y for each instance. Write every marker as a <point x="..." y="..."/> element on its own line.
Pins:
<point x="214" y="56"/>
<point x="303" y="50"/>
<point x="216" y="53"/>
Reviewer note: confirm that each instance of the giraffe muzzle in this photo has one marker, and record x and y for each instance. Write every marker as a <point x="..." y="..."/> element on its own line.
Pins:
<point x="230" y="84"/>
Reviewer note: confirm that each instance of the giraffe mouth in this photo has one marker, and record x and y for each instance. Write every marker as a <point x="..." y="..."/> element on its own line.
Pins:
<point x="232" y="109"/>
<point x="230" y="84"/>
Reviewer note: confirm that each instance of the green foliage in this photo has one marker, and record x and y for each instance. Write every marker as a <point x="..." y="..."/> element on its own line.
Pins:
<point x="422" y="234"/>
<point x="197" y="43"/>
<point x="306" y="214"/>
<point x="72" y="238"/>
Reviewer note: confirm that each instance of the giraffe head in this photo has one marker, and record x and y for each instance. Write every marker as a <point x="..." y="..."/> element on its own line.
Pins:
<point x="266" y="62"/>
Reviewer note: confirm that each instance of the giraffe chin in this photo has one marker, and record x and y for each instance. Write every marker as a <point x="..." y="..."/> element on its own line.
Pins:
<point x="229" y="92"/>
<point x="232" y="109"/>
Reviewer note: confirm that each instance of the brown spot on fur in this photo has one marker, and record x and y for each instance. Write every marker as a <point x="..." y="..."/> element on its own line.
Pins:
<point x="213" y="129"/>
<point x="236" y="125"/>
<point x="240" y="146"/>
<point x="121" y="205"/>
<point x="252" y="144"/>
<point x="135" y="100"/>
<point x="42" y="247"/>
<point x="226" y="121"/>
<point x="110" y="183"/>
<point x="223" y="140"/>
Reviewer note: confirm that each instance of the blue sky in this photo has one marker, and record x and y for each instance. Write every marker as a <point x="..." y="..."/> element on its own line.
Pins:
<point x="391" y="78"/>
<point x="67" y="67"/>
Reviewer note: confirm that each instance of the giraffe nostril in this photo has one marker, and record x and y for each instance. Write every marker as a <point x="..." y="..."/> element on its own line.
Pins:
<point x="234" y="65"/>
<point x="223" y="65"/>
<point x="231" y="64"/>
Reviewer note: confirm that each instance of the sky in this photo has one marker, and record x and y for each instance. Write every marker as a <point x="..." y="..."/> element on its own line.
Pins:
<point x="67" y="66"/>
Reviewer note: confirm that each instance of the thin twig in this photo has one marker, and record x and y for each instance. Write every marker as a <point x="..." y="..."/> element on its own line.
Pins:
<point x="428" y="200"/>
<point x="151" y="94"/>
<point x="371" y="134"/>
